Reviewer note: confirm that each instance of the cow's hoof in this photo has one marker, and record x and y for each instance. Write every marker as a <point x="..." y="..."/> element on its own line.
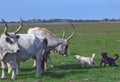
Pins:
<point x="38" y="75"/>
<point x="12" y="78"/>
<point x="2" y="78"/>
<point x="34" y="67"/>
<point x="52" y="66"/>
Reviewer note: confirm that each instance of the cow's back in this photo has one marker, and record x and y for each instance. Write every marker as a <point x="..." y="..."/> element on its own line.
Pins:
<point x="53" y="41"/>
<point x="30" y="44"/>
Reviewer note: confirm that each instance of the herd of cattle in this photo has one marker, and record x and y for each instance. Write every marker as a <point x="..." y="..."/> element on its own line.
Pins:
<point x="36" y="44"/>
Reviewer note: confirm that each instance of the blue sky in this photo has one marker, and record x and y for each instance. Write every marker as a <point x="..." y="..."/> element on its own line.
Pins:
<point x="66" y="9"/>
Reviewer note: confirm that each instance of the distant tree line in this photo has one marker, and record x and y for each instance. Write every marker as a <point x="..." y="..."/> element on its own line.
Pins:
<point x="64" y="20"/>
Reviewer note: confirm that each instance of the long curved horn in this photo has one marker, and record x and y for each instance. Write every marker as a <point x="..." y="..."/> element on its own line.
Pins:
<point x="6" y="27"/>
<point x="20" y="26"/>
<point x="72" y="32"/>
<point x="63" y="36"/>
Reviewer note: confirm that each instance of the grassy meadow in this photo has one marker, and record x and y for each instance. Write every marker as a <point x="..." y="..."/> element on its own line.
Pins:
<point x="89" y="38"/>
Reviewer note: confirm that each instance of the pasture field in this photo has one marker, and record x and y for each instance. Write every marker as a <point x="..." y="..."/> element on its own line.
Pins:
<point x="89" y="38"/>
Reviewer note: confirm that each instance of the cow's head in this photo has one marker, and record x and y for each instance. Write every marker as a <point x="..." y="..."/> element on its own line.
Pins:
<point x="9" y="41"/>
<point x="63" y="47"/>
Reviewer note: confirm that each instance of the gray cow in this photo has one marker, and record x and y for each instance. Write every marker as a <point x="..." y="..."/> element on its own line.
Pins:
<point x="58" y="45"/>
<point x="15" y="48"/>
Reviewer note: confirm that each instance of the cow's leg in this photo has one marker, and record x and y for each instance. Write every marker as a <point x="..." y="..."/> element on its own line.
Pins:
<point x="39" y="68"/>
<point x="13" y="74"/>
<point x="18" y="68"/>
<point x="49" y="58"/>
<point x="43" y="63"/>
<point x="3" y="70"/>
<point x="9" y="67"/>
<point x="13" y="64"/>
<point x="51" y="63"/>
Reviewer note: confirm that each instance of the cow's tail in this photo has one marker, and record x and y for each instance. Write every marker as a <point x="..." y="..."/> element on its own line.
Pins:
<point x="44" y="59"/>
<point x="117" y="56"/>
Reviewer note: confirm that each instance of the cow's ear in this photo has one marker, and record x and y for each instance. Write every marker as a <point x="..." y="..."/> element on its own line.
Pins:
<point x="17" y="36"/>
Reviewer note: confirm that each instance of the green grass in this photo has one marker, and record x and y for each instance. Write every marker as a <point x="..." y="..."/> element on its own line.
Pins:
<point x="89" y="38"/>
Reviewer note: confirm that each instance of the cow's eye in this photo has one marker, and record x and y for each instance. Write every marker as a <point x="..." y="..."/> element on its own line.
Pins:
<point x="9" y="41"/>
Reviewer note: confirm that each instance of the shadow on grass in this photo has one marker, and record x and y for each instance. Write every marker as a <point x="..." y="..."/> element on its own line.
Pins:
<point x="27" y="69"/>
<point x="75" y="66"/>
<point x="58" y="72"/>
<point x="66" y="70"/>
<point x="70" y="69"/>
<point x="26" y="73"/>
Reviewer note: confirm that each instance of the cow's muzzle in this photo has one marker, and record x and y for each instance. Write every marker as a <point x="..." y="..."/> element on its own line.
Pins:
<point x="18" y="51"/>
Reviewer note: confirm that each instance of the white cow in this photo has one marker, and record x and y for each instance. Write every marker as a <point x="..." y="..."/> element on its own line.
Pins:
<point x="15" y="48"/>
